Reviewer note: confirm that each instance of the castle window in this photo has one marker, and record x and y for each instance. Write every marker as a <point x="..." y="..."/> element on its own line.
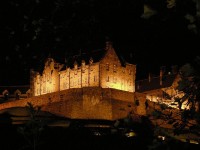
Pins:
<point x="107" y="67"/>
<point x="94" y="78"/>
<point x="130" y="71"/>
<point x="38" y="91"/>
<point x="129" y="82"/>
<point x="85" y="80"/>
<point x="44" y="89"/>
<point x="107" y="79"/>
<point x="114" y="68"/>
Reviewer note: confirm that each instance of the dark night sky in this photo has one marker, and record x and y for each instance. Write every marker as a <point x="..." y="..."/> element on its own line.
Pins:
<point x="31" y="30"/>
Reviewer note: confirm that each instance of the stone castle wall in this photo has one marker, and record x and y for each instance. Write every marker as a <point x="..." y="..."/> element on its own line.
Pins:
<point x="108" y="72"/>
<point x="114" y="75"/>
<point x="84" y="76"/>
<point x="83" y="103"/>
<point x="101" y="90"/>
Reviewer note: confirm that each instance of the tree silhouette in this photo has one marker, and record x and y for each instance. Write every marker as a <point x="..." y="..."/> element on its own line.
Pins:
<point x="184" y="119"/>
<point x="33" y="128"/>
<point x="5" y="119"/>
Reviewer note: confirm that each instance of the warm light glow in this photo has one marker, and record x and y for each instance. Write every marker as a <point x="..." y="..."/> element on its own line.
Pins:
<point x="111" y="75"/>
<point x="130" y="134"/>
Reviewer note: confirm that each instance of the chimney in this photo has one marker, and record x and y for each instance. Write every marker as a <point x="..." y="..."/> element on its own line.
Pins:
<point x="108" y="45"/>
<point x="83" y="63"/>
<point x="91" y="60"/>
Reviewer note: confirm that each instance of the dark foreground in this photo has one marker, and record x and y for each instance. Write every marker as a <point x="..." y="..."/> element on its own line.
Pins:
<point x="62" y="138"/>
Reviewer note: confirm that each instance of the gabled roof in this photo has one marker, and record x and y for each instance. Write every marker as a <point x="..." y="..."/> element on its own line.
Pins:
<point x="145" y="85"/>
<point x="95" y="55"/>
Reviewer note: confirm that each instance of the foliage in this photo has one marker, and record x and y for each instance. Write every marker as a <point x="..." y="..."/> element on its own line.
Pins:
<point x="5" y="119"/>
<point x="190" y="84"/>
<point x="140" y="126"/>
<point x="33" y="127"/>
<point x="185" y="120"/>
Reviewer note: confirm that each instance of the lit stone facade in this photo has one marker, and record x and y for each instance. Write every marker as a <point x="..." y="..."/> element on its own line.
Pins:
<point x="99" y="86"/>
<point x="108" y="72"/>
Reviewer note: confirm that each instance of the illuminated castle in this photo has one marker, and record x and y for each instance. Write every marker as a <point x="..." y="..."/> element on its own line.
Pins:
<point x="99" y="85"/>
<point x="107" y="72"/>
<point x="96" y="86"/>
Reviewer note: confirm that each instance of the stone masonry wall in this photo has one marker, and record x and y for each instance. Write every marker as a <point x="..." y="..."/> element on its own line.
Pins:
<point x="108" y="72"/>
<point x="114" y="75"/>
<point x="82" y="103"/>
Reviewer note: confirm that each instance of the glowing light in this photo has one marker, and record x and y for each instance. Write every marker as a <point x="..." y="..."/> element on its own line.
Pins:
<point x="130" y="134"/>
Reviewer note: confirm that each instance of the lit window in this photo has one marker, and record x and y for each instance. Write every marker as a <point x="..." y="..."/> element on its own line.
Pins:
<point x="114" y="68"/>
<point x="107" y="67"/>
<point x="94" y="78"/>
<point x="129" y="71"/>
<point x="107" y="79"/>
